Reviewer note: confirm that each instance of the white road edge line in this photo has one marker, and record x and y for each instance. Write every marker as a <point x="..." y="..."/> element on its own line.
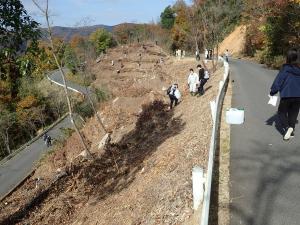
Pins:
<point x="72" y="89"/>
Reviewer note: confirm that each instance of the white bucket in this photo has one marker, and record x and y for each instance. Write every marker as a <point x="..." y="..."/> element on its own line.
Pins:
<point x="235" y="116"/>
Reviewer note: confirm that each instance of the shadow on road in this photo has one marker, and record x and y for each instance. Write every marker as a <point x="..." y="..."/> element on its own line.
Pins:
<point x="275" y="120"/>
<point x="273" y="167"/>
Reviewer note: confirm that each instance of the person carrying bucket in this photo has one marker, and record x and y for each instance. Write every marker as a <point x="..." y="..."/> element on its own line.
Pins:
<point x="287" y="83"/>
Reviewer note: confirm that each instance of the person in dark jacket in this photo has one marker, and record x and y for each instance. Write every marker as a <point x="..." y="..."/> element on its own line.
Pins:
<point x="174" y="95"/>
<point x="201" y="80"/>
<point x="49" y="141"/>
<point x="45" y="138"/>
<point x="287" y="83"/>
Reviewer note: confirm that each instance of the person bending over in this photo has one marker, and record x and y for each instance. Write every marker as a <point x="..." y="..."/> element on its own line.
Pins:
<point x="174" y="95"/>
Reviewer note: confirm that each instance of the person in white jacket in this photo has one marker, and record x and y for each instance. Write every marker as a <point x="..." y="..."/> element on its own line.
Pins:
<point x="206" y="53"/>
<point x="193" y="81"/>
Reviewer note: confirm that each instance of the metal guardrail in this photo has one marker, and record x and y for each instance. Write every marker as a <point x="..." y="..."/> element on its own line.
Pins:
<point x="7" y="158"/>
<point x="216" y="115"/>
<point x="62" y="85"/>
<point x="15" y="152"/>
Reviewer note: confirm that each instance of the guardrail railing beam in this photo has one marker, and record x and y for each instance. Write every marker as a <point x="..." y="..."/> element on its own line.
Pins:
<point x="215" y="111"/>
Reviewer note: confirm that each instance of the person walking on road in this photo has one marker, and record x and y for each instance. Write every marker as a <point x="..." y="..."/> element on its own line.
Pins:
<point x="174" y="95"/>
<point x="193" y="81"/>
<point x="45" y="138"/>
<point x="49" y="141"/>
<point x="227" y="55"/>
<point x="287" y="83"/>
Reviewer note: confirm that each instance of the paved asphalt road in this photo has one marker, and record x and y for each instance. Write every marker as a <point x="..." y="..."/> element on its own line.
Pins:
<point x="56" y="76"/>
<point x="265" y="170"/>
<point x="13" y="171"/>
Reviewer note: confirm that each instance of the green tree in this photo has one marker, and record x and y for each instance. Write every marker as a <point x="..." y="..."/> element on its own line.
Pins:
<point x="17" y="28"/>
<point x="7" y="121"/>
<point x="273" y="28"/>
<point x="70" y="59"/>
<point x="181" y="28"/>
<point x="282" y="27"/>
<point x="102" y="40"/>
<point x="167" y="18"/>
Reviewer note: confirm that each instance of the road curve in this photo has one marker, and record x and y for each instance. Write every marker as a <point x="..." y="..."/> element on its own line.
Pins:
<point x="56" y="77"/>
<point x="265" y="170"/>
<point x="18" y="167"/>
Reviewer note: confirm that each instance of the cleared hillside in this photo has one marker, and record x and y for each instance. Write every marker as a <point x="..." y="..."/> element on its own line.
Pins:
<point x="144" y="175"/>
<point x="234" y="42"/>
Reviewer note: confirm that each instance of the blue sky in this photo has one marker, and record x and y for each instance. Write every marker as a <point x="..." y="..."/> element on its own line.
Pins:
<point x="107" y="12"/>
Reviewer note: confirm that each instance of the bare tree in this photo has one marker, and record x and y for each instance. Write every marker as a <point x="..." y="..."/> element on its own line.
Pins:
<point x="196" y="27"/>
<point x="45" y="12"/>
<point x="88" y="58"/>
<point x="7" y="121"/>
<point x="210" y="19"/>
<point x="88" y="70"/>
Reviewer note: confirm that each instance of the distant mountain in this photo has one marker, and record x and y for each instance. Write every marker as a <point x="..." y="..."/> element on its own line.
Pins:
<point x="68" y="32"/>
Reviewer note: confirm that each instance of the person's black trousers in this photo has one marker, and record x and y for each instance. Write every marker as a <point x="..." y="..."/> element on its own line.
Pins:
<point x="201" y="86"/>
<point x="288" y="111"/>
<point x="173" y="99"/>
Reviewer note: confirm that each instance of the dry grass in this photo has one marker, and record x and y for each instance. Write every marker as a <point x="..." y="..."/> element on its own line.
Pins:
<point x="144" y="177"/>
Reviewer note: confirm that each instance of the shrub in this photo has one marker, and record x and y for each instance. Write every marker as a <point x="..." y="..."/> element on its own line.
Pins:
<point x="67" y="131"/>
<point x="264" y="56"/>
<point x="101" y="94"/>
<point x="102" y="40"/>
<point x="84" y="109"/>
<point x="278" y="61"/>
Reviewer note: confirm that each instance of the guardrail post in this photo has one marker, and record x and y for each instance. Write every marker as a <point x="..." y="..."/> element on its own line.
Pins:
<point x="215" y="111"/>
<point x="221" y="83"/>
<point x="213" y="108"/>
<point x="198" y="186"/>
<point x="226" y="70"/>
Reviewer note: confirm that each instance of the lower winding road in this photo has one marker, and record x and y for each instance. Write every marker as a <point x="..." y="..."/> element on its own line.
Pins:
<point x="13" y="171"/>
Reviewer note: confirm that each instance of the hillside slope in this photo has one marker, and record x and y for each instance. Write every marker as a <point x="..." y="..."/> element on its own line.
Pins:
<point x="144" y="175"/>
<point x="234" y="42"/>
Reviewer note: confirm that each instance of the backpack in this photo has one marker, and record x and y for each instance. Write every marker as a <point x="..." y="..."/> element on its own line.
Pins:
<point x="201" y="74"/>
<point x="169" y="90"/>
<point x="206" y="75"/>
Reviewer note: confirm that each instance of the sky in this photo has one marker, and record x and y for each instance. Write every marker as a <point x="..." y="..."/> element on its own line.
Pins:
<point x="91" y="12"/>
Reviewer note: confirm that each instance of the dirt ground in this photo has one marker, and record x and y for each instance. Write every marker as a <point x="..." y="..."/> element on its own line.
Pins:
<point x="234" y="42"/>
<point x="144" y="175"/>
